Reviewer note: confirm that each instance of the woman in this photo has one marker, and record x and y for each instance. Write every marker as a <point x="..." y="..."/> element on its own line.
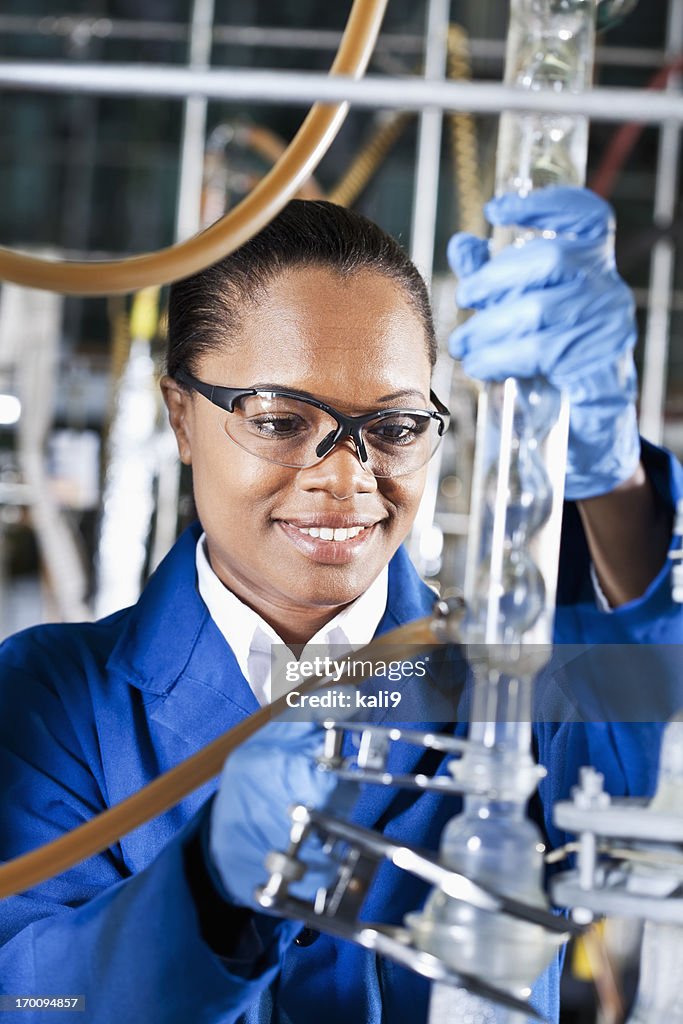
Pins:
<point x="314" y="329"/>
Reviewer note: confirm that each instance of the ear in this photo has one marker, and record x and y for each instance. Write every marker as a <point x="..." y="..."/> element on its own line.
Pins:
<point x="179" y="405"/>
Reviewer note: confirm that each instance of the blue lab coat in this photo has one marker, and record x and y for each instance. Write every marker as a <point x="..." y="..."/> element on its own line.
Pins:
<point x="91" y="713"/>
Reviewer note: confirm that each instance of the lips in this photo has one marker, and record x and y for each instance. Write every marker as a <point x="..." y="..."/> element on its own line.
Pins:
<point x="330" y="539"/>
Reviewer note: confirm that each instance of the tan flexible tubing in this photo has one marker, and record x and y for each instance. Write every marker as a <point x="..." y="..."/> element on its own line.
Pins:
<point x="168" y="789"/>
<point x="366" y="162"/>
<point x="606" y="981"/>
<point x="463" y="138"/>
<point x="296" y="164"/>
<point x="270" y="146"/>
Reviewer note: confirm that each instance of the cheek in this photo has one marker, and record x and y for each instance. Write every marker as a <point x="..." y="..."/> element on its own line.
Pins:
<point x="231" y="486"/>
<point x="405" y="494"/>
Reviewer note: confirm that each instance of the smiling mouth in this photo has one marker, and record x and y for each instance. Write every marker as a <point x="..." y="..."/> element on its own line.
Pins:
<point x="328" y="533"/>
<point x="330" y="540"/>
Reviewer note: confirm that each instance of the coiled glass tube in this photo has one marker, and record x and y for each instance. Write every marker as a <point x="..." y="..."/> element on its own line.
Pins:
<point x="550" y="47"/>
<point x="517" y="495"/>
<point x="521" y="451"/>
<point x="513" y="554"/>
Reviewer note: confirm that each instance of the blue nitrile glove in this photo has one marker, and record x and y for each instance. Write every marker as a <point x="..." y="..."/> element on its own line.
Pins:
<point x="266" y="775"/>
<point x="557" y="308"/>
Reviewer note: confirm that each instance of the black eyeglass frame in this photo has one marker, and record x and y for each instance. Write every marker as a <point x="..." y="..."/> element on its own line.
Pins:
<point x="347" y="426"/>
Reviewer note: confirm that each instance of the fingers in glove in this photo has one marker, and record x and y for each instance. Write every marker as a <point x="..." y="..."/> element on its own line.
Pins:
<point x="554" y="208"/>
<point x="466" y="253"/>
<point x="499" y="331"/>
<point x="287" y="734"/>
<point x="259" y="788"/>
<point x="487" y="363"/>
<point x="561" y="333"/>
<point x="537" y="264"/>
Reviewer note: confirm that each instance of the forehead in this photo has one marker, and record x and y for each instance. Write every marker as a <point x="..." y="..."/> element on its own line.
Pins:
<point x="347" y="339"/>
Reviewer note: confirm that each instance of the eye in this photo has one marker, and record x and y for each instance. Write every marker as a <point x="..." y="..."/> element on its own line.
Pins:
<point x="398" y="431"/>
<point x="278" y="425"/>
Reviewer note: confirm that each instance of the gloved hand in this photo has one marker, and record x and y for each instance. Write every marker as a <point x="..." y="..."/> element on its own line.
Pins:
<point x="557" y="308"/>
<point x="261" y="780"/>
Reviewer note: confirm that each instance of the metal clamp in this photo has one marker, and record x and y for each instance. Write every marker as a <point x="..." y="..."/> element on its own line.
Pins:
<point x="369" y="764"/>
<point x="359" y="853"/>
<point x="606" y="879"/>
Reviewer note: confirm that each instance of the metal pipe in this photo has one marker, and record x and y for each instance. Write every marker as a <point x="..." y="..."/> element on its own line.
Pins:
<point x="423" y="229"/>
<point x="273" y="38"/>
<point x="428" y="161"/>
<point x="296" y="87"/>
<point x="39" y="316"/>
<point x="188" y="214"/>
<point x="656" y="350"/>
<point x="188" y="223"/>
<point x="642" y="298"/>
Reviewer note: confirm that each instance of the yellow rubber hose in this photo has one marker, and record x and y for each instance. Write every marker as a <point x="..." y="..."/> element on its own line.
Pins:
<point x="463" y="138"/>
<point x="168" y="789"/>
<point x="294" y="167"/>
<point x="366" y="162"/>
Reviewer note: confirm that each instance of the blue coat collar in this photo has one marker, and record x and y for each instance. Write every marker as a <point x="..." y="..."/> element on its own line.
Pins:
<point x="171" y="650"/>
<point x="170" y="629"/>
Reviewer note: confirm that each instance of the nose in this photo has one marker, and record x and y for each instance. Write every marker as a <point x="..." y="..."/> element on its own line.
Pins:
<point x="340" y="473"/>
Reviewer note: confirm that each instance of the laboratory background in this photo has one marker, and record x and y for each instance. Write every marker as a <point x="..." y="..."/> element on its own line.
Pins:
<point x="96" y="167"/>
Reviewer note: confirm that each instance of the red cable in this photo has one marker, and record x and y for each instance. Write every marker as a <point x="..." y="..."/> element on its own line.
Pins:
<point x="626" y="137"/>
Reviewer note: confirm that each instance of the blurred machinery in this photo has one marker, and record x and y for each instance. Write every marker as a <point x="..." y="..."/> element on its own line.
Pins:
<point x="29" y="485"/>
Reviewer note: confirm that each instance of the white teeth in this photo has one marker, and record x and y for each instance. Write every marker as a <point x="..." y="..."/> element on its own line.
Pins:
<point x="327" y="533"/>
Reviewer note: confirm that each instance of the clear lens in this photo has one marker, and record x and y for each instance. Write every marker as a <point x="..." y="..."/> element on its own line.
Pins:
<point x="279" y="429"/>
<point x="400" y="443"/>
<point x="288" y="431"/>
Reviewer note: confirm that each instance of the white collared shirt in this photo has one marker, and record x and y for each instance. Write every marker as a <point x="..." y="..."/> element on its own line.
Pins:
<point x="250" y="636"/>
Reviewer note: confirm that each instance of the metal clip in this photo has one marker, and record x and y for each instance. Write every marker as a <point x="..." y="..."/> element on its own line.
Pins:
<point x="447" y="616"/>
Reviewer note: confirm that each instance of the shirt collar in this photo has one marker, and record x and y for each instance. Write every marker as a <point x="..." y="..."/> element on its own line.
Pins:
<point x="169" y="635"/>
<point x="250" y="636"/>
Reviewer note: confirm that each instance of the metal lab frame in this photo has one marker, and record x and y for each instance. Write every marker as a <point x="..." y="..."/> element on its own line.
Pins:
<point x="431" y="96"/>
<point x="297" y="87"/>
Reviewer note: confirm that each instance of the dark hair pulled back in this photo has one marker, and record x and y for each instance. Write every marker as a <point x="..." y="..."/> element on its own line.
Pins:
<point x="206" y="309"/>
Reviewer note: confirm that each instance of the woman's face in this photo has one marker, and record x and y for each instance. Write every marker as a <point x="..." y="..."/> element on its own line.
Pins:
<point x="356" y="344"/>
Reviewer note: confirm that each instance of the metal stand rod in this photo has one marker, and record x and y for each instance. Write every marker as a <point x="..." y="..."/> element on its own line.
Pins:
<point x="297" y="87"/>
<point x="656" y="351"/>
<point x="423" y="227"/>
<point x="188" y="223"/>
<point x="194" y="126"/>
<point x="274" y="37"/>
<point x="426" y="189"/>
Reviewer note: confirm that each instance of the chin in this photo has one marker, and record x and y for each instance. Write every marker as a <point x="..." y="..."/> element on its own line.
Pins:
<point x="333" y="585"/>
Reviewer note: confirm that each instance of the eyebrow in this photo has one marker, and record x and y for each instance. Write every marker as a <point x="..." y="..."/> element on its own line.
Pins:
<point x="405" y="393"/>
<point x="393" y="396"/>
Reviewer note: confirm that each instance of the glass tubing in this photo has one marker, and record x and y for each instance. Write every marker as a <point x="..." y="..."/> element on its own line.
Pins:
<point x="513" y="550"/>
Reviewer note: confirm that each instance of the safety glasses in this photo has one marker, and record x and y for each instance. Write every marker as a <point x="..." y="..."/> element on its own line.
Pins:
<point x="294" y="429"/>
